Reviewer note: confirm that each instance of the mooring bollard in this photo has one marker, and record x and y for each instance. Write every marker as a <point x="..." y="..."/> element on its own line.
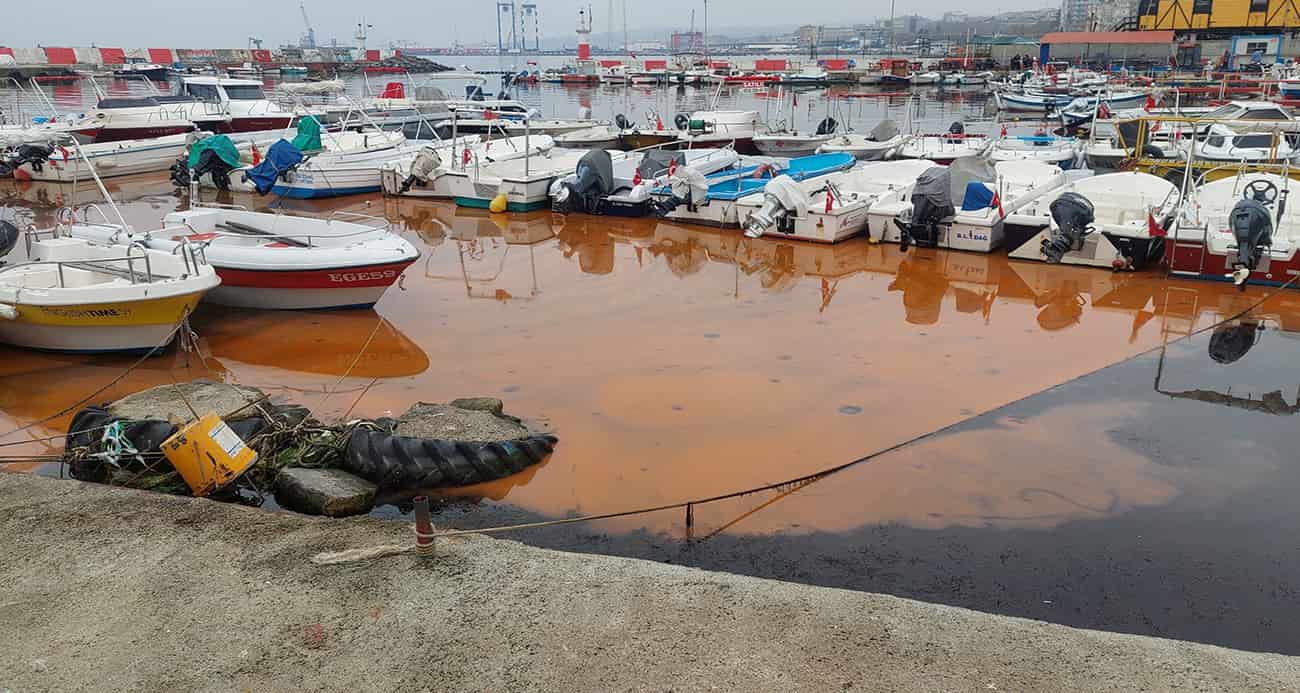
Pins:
<point x="423" y="528"/>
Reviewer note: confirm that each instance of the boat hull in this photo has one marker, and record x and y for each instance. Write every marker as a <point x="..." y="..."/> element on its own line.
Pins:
<point x="306" y="289"/>
<point x="135" y="326"/>
<point x="141" y="132"/>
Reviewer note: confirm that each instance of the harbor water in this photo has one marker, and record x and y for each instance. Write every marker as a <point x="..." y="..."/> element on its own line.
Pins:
<point x="1065" y="465"/>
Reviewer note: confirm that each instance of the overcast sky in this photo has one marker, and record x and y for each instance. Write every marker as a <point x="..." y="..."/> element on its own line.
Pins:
<point x="229" y="23"/>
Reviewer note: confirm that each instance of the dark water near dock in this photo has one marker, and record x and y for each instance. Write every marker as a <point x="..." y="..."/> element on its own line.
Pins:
<point x="678" y="363"/>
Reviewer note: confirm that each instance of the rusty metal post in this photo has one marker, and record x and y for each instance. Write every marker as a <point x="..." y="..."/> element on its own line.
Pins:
<point x="423" y="528"/>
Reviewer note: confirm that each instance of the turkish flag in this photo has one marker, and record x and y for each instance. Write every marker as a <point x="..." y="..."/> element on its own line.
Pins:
<point x="1153" y="229"/>
<point x="997" y="202"/>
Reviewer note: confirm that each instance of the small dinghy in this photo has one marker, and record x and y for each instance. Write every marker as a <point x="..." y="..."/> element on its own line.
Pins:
<point x="278" y="261"/>
<point x="62" y="292"/>
<point x="1063" y="152"/>
<point x="422" y="174"/>
<point x="692" y="197"/>
<point x="883" y="142"/>
<point x="826" y="209"/>
<point x="595" y="137"/>
<point x="944" y="148"/>
<point x="1240" y="229"/>
<point x="623" y="188"/>
<point x="1115" y="220"/>
<point x="62" y="164"/>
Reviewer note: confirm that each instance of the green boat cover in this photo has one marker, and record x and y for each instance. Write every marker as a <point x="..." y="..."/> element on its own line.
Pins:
<point x="220" y="144"/>
<point x="308" y="139"/>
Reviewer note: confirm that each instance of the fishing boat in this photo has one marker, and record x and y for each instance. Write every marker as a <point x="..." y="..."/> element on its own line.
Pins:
<point x="110" y="159"/>
<point x="883" y="142"/>
<point x="946" y="147"/>
<point x="1239" y="229"/>
<point x="427" y="173"/>
<point x="604" y="186"/>
<point x="61" y="292"/>
<point x="711" y="200"/>
<point x="826" y="209"/>
<point x="245" y="71"/>
<point x="1222" y="143"/>
<point x="279" y="261"/>
<point x="1061" y="151"/>
<point x="1115" y="220"/>
<point x="966" y="206"/>
<point x="136" y="67"/>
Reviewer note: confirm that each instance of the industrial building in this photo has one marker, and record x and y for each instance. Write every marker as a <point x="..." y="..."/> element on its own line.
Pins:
<point x="1227" y="33"/>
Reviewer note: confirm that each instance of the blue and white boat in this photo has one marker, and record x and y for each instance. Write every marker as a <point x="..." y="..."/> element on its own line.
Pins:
<point x="692" y="197"/>
<point x="1065" y="152"/>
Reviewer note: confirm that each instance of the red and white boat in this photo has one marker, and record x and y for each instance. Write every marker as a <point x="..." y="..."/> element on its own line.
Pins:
<point x="281" y="262"/>
<point x="215" y="104"/>
<point x="1203" y="243"/>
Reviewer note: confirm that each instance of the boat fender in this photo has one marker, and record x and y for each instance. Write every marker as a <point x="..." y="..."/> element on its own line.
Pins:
<point x="499" y="204"/>
<point x="394" y="462"/>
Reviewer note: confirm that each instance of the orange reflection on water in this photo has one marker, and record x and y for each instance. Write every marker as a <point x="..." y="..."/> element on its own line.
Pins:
<point x="677" y="363"/>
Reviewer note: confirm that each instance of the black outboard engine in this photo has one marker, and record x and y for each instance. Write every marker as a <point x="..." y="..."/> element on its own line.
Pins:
<point x="8" y="238"/>
<point x="622" y="123"/>
<point x="827" y="126"/>
<point x="593" y="180"/>
<point x="682" y="121"/>
<point x="957" y="129"/>
<point x="1074" y="215"/>
<point x="209" y="163"/>
<point x="34" y="154"/>
<point x="931" y="204"/>
<point x="1252" y="225"/>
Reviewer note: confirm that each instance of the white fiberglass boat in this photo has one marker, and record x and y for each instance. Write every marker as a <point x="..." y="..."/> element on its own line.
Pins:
<point x="944" y="148"/>
<point x="429" y="172"/>
<point x="278" y="261"/>
<point x="65" y="164"/>
<point x="623" y="188"/>
<point x="1064" y="152"/>
<point x="66" y="293"/>
<point x="826" y="209"/>
<point x="1222" y="143"/>
<point x="1242" y="229"/>
<point x="1115" y="220"/>
<point x="883" y="142"/>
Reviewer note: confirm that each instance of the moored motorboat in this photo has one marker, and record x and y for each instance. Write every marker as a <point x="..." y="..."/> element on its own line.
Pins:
<point x="279" y="261"/>
<point x="438" y="170"/>
<point x="883" y="142"/>
<point x="1241" y="229"/>
<point x="1064" y="152"/>
<point x="623" y="188"/>
<point x="120" y="158"/>
<point x="711" y="200"/>
<point x="62" y="292"/>
<point x="1115" y="220"/>
<point x="944" y="148"/>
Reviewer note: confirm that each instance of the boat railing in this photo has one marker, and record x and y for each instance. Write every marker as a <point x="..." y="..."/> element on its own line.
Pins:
<point x="379" y="223"/>
<point x="106" y="265"/>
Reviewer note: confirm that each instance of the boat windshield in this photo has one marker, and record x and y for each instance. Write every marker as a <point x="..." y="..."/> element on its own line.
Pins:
<point x="1257" y="141"/>
<point x="1225" y="112"/>
<point x="245" y="92"/>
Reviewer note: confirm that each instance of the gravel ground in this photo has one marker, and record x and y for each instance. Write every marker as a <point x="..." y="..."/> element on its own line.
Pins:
<point x="425" y="420"/>
<point x="116" y="589"/>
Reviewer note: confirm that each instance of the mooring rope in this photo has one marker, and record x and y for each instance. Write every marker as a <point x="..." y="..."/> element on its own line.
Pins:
<point x="354" y="555"/>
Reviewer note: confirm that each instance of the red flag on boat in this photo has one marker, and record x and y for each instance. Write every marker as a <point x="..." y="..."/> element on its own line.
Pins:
<point x="257" y="155"/>
<point x="1153" y="229"/>
<point x="659" y="122"/>
<point x="794" y="98"/>
<point x="997" y="202"/>
<point x="1103" y="111"/>
<point x="488" y="114"/>
<point x="636" y="177"/>
<point x="1150" y="104"/>
<point x="672" y="168"/>
<point x="1004" y="129"/>
<point x="830" y="199"/>
<point x="466" y="157"/>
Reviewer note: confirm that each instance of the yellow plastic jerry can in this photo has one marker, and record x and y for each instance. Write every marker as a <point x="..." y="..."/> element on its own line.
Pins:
<point x="208" y="454"/>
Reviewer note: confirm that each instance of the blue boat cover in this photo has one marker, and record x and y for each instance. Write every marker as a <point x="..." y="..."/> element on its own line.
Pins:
<point x="282" y="157"/>
<point x="737" y="183"/>
<point x="978" y="196"/>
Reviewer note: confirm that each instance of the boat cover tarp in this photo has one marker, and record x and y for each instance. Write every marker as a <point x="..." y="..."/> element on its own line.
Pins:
<point x="968" y="169"/>
<point x="935" y="184"/>
<point x="281" y="157"/>
<point x="220" y="145"/>
<point x="308" y="139"/>
<point x="332" y="86"/>
<point x="885" y="131"/>
<point x="657" y="162"/>
<point x="978" y="196"/>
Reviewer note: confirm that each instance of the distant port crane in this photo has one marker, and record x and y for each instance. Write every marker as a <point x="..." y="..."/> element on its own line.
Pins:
<point x="308" y="39"/>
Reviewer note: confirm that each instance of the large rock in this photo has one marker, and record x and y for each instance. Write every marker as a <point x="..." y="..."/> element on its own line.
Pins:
<point x="169" y="402"/>
<point x="331" y="492"/>
<point x="480" y="422"/>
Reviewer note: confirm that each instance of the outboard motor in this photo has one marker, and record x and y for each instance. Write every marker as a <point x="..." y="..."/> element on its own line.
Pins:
<point x="594" y="180"/>
<point x="34" y="154"/>
<point x="8" y="238"/>
<point x="1252" y="225"/>
<point x="957" y="128"/>
<point x="423" y="167"/>
<point x="209" y="163"/>
<point x="622" y="123"/>
<point x="1074" y="215"/>
<point x="682" y="121"/>
<point x="827" y="126"/>
<point x="782" y="198"/>
<point x="931" y="204"/>
<point x="689" y="187"/>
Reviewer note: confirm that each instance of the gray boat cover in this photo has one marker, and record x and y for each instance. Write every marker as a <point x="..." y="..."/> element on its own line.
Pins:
<point x="883" y="132"/>
<point x="600" y="163"/>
